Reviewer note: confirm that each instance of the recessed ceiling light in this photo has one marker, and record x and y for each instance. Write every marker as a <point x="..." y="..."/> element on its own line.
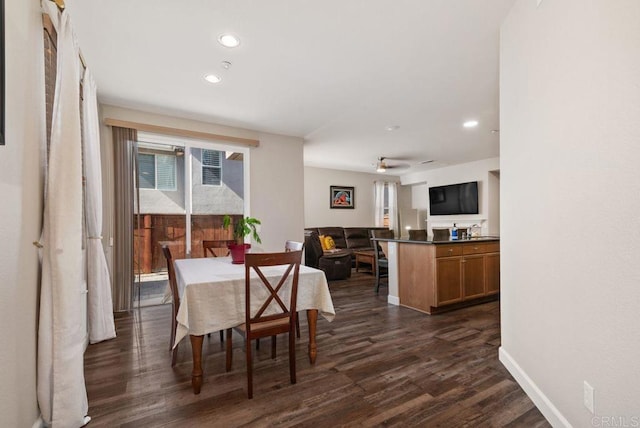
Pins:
<point x="391" y="128"/>
<point x="470" y="124"/>
<point x="228" y="40"/>
<point x="212" y="78"/>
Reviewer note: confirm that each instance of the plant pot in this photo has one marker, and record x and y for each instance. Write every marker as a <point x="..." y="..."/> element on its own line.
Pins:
<point x="237" y="252"/>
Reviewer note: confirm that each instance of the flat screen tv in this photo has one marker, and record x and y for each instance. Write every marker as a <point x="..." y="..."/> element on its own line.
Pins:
<point x="453" y="199"/>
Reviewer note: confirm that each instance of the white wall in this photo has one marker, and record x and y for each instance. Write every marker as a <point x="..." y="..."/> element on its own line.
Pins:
<point x="408" y="215"/>
<point x="21" y="187"/>
<point x="570" y="103"/>
<point x="488" y="194"/>
<point x="276" y="175"/>
<point x="316" y="198"/>
<point x="277" y="189"/>
<point x="493" y="186"/>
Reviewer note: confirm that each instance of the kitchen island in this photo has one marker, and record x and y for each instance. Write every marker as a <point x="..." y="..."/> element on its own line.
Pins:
<point x="434" y="276"/>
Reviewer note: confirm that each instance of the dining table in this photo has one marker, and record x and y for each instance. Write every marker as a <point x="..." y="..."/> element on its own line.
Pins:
<point x="212" y="298"/>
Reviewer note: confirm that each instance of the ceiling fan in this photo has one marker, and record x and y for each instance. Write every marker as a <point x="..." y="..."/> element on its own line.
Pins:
<point x="382" y="165"/>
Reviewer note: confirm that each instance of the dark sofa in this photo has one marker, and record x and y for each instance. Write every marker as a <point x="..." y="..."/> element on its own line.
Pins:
<point x="347" y="239"/>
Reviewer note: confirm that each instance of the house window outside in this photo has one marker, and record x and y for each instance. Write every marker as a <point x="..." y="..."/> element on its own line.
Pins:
<point x="212" y="167"/>
<point x="157" y="171"/>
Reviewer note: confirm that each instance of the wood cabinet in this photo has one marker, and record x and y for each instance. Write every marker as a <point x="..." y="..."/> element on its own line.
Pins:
<point x="435" y="276"/>
<point x="449" y="280"/>
<point x="492" y="273"/>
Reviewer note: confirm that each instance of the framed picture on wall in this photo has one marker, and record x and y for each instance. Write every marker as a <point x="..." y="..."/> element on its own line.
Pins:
<point x="342" y="197"/>
<point x="2" y="27"/>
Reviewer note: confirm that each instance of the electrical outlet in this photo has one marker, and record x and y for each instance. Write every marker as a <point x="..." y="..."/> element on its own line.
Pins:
<point x="589" y="397"/>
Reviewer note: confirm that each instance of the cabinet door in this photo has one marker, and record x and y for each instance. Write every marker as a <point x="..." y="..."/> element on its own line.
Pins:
<point x="492" y="273"/>
<point x="473" y="276"/>
<point x="448" y="280"/>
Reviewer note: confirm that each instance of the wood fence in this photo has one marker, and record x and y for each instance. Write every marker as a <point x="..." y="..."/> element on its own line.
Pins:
<point x="159" y="229"/>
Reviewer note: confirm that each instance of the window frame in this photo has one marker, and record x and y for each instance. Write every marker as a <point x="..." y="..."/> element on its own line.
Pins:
<point x="155" y="172"/>
<point x="203" y="166"/>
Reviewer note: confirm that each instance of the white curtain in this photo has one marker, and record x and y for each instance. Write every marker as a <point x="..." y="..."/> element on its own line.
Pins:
<point x="378" y="200"/>
<point x="394" y="223"/>
<point x="100" y="307"/>
<point x="61" y="334"/>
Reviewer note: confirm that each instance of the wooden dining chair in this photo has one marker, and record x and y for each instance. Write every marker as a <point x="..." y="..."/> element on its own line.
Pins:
<point x="175" y="302"/>
<point x="382" y="264"/>
<point x="418" y="234"/>
<point x="259" y="324"/>
<point x="293" y="246"/>
<point x="208" y="247"/>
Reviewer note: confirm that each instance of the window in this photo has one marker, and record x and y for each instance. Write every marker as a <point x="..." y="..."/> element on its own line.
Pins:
<point x="211" y="167"/>
<point x="156" y="171"/>
<point x="386" y="206"/>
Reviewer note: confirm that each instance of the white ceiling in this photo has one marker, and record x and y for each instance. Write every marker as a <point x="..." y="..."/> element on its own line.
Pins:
<point x="335" y="72"/>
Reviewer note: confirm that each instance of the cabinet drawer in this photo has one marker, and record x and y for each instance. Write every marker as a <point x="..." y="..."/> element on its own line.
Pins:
<point x="448" y="250"/>
<point x="493" y="247"/>
<point x="478" y="248"/>
<point x="481" y="247"/>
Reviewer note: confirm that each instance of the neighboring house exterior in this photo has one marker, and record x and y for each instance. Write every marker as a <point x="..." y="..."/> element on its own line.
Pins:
<point x="217" y="182"/>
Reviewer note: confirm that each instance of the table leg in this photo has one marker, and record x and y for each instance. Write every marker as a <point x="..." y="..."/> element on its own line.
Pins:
<point x="357" y="264"/>
<point x="196" y="373"/>
<point x="312" y="320"/>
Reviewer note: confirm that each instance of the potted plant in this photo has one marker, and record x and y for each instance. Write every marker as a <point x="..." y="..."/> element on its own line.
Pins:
<point x="241" y="228"/>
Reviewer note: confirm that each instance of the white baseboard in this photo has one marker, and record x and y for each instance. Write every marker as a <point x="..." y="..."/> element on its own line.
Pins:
<point x="546" y="407"/>
<point x="393" y="300"/>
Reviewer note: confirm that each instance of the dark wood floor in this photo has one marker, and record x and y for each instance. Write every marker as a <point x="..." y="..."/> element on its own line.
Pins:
<point x="377" y="365"/>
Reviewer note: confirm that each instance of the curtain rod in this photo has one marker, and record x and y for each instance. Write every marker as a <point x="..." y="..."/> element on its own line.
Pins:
<point x="177" y="132"/>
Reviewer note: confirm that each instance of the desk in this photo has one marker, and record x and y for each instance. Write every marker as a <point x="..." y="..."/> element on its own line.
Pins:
<point x="212" y="299"/>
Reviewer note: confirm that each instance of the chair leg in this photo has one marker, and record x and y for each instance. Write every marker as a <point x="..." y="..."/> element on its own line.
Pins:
<point x="377" y="279"/>
<point x="292" y="357"/>
<point x="174" y="356"/>
<point x="221" y="336"/>
<point x="298" y="326"/>
<point x="229" y="349"/>
<point x="249" y="369"/>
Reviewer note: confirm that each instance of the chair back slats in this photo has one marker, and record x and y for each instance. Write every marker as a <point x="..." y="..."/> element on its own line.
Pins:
<point x="208" y="247"/>
<point x="273" y="292"/>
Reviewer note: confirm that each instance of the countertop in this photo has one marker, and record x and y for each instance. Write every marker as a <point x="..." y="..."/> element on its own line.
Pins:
<point x="430" y="241"/>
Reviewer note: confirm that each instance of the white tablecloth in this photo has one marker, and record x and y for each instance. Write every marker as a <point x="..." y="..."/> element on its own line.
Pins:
<point x="212" y="294"/>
